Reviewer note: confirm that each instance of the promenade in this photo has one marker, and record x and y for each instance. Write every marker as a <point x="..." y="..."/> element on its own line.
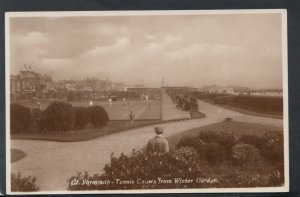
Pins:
<point x="169" y="110"/>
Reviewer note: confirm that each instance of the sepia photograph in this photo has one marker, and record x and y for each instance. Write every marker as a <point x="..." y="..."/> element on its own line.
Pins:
<point x="146" y="101"/>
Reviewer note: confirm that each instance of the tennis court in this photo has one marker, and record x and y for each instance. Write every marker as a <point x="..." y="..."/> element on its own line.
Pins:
<point x="117" y="110"/>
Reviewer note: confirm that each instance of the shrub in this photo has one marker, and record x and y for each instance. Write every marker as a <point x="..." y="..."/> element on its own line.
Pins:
<point x="208" y="136"/>
<point x="82" y="117"/>
<point x="239" y="179"/>
<point x="224" y="138"/>
<point x="215" y="153"/>
<point x="59" y="116"/>
<point x="36" y="120"/>
<point x="185" y="152"/>
<point x="245" y="154"/>
<point x="99" y="116"/>
<point x="194" y="142"/>
<point x="23" y="184"/>
<point x="20" y="118"/>
<point x="272" y="148"/>
<point x="190" y="141"/>
<point x="252" y="140"/>
<point x="227" y="139"/>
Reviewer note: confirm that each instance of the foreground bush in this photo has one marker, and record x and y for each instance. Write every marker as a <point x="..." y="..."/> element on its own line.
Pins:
<point x="23" y="184"/>
<point x="246" y="154"/>
<point x="191" y="141"/>
<point x="152" y="167"/>
<point x="273" y="149"/>
<point x="252" y="140"/>
<point x="59" y="116"/>
<point x="99" y="116"/>
<point x="20" y="118"/>
<point x="226" y="139"/>
<point x="212" y="154"/>
<point x="215" y="153"/>
<point x="82" y="117"/>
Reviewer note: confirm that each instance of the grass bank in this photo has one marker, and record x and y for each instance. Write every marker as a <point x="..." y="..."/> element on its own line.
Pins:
<point x="243" y="110"/>
<point x="239" y="128"/>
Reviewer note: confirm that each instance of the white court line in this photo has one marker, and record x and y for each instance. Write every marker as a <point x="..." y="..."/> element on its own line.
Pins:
<point x="126" y="114"/>
<point x="140" y="112"/>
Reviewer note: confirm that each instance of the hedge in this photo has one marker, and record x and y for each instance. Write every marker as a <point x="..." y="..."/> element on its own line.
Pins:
<point x="82" y="117"/>
<point x="20" y="118"/>
<point x="59" y="116"/>
<point x="99" y="116"/>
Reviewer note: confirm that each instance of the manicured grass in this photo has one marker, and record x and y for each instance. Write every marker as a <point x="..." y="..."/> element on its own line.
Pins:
<point x="239" y="128"/>
<point x="16" y="155"/>
<point x="249" y="112"/>
<point x="243" y="111"/>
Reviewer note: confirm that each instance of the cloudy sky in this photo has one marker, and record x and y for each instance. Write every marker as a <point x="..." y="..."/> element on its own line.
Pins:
<point x="195" y="50"/>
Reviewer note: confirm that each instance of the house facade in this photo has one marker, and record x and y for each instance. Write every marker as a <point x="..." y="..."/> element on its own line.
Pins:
<point x="29" y="85"/>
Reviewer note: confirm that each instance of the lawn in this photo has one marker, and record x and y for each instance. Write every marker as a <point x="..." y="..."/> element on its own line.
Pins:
<point x="243" y="110"/>
<point x="16" y="155"/>
<point x="249" y="112"/>
<point x="239" y="128"/>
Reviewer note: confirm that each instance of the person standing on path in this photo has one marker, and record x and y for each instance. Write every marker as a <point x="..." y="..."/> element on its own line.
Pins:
<point x="110" y="102"/>
<point x="131" y="117"/>
<point x="158" y="144"/>
<point x="124" y="101"/>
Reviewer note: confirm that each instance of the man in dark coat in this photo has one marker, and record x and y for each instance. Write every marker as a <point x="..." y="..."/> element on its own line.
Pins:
<point x="158" y="144"/>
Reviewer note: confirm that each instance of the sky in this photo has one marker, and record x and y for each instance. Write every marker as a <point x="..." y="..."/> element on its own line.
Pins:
<point x="183" y="50"/>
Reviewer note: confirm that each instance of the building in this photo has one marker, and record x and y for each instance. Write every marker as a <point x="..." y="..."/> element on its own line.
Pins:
<point x="29" y="85"/>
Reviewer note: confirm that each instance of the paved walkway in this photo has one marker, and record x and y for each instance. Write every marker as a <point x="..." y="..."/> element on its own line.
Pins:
<point x="52" y="163"/>
<point x="169" y="110"/>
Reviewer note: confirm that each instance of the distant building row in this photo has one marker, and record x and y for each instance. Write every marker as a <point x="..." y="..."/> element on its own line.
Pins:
<point x="238" y="90"/>
<point x="30" y="85"/>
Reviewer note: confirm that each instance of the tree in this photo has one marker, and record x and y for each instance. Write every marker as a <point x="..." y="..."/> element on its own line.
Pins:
<point x="99" y="116"/>
<point x="20" y="118"/>
<point x="59" y="116"/>
<point x="82" y="117"/>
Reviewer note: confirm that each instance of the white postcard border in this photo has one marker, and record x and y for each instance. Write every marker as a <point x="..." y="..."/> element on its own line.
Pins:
<point x="283" y="13"/>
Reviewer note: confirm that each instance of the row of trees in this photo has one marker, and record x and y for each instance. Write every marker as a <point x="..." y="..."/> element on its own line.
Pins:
<point x="184" y="102"/>
<point x="57" y="117"/>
